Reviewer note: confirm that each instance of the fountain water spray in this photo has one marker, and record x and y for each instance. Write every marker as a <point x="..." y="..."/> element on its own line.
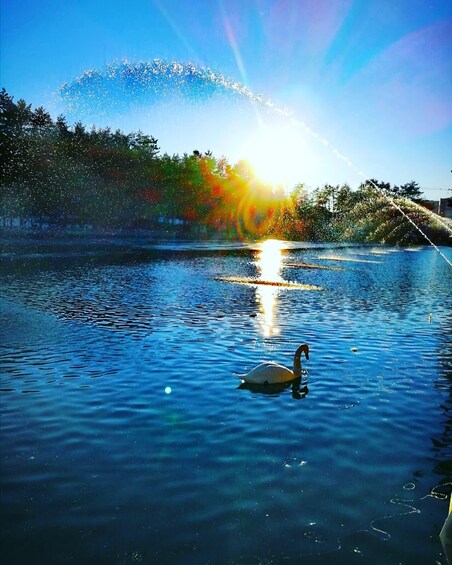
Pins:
<point x="120" y="84"/>
<point x="391" y="200"/>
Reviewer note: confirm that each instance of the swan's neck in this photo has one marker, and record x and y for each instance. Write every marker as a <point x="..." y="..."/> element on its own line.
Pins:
<point x="297" y="359"/>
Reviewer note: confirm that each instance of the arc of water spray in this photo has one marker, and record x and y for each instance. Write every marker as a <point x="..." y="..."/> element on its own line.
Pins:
<point x="268" y="104"/>
<point x="189" y="76"/>
<point x="301" y="125"/>
<point x="412" y="222"/>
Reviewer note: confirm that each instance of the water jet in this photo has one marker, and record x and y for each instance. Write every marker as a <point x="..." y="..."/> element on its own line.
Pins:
<point x="119" y="86"/>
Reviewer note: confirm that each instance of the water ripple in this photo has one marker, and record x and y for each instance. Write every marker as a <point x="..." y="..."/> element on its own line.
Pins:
<point x="124" y="426"/>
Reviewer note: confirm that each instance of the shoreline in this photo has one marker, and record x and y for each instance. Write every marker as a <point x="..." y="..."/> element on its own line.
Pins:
<point x="17" y="242"/>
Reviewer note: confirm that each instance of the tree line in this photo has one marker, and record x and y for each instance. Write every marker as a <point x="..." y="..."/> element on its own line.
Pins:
<point x="58" y="175"/>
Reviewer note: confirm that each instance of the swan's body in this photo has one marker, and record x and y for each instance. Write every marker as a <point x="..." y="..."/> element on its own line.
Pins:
<point x="272" y="373"/>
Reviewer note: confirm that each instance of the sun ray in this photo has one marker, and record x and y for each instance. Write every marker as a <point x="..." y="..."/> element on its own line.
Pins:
<point x="233" y="43"/>
<point x="175" y="28"/>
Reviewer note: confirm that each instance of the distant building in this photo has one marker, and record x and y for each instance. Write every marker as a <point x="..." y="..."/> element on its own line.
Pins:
<point x="431" y="205"/>
<point x="445" y="207"/>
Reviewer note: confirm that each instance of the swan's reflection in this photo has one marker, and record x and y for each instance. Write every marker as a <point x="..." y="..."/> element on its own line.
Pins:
<point x="269" y="264"/>
<point x="299" y="389"/>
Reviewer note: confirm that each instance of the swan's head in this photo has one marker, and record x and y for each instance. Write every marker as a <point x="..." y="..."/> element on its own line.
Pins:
<point x="304" y="348"/>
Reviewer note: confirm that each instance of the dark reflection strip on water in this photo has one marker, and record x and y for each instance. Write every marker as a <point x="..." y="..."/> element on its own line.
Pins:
<point x="310" y="266"/>
<point x="257" y="282"/>
<point x="346" y="259"/>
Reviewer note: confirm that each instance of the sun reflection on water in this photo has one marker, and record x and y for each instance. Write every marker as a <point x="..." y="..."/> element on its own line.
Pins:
<point x="269" y="264"/>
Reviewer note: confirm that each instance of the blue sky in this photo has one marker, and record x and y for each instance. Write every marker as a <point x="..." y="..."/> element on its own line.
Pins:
<point x="372" y="78"/>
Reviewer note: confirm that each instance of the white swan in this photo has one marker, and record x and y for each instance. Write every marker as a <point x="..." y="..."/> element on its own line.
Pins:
<point x="273" y="373"/>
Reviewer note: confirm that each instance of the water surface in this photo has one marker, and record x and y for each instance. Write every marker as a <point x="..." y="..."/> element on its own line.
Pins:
<point x="125" y="436"/>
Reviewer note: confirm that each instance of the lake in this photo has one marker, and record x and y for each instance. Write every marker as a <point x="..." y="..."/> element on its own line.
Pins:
<point x="126" y="436"/>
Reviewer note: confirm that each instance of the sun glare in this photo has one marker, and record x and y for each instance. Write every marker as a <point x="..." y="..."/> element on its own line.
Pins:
<point x="275" y="153"/>
<point x="270" y="260"/>
<point x="269" y="263"/>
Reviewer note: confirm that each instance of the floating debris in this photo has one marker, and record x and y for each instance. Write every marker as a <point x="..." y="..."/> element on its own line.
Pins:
<point x="354" y="349"/>
<point x="258" y="282"/>
<point x="309" y="266"/>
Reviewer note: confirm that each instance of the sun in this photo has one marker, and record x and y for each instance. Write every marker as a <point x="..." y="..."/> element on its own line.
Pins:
<point x="276" y="153"/>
